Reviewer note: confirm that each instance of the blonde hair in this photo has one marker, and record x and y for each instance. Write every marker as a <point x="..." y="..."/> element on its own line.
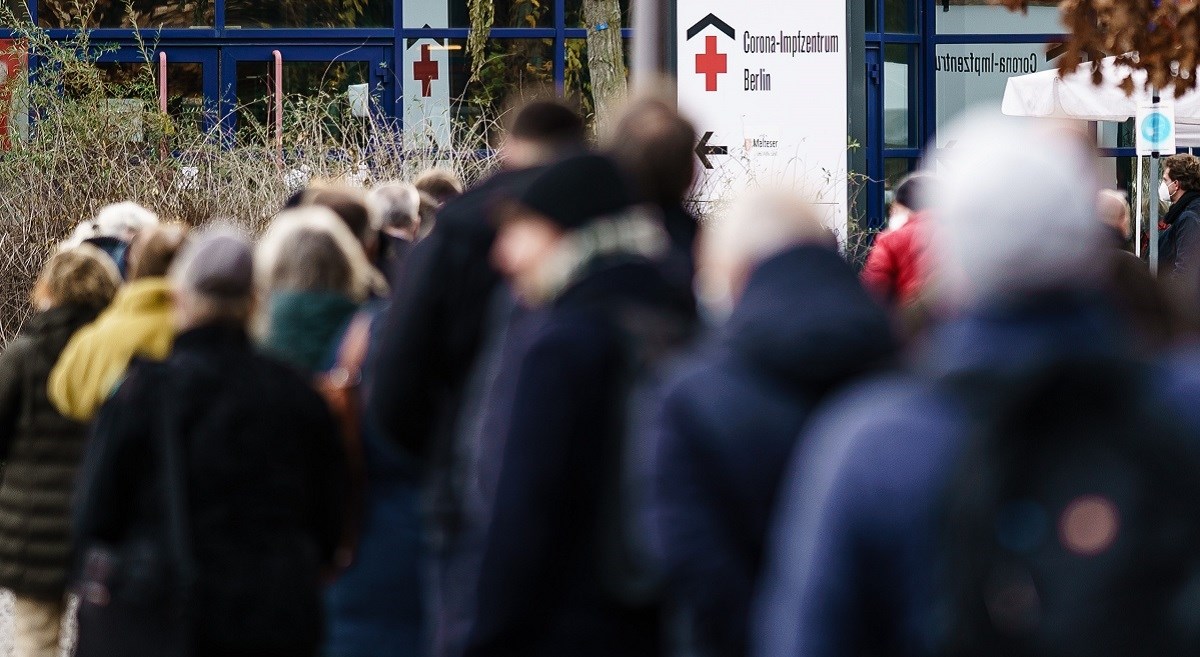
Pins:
<point x="310" y="248"/>
<point x="78" y="276"/>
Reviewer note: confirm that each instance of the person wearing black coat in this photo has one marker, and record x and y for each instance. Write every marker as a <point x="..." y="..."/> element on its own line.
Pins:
<point x="41" y="449"/>
<point x="1179" y="243"/>
<point x="576" y="248"/>
<point x="430" y="338"/>
<point x="802" y="327"/>
<point x="264" y="475"/>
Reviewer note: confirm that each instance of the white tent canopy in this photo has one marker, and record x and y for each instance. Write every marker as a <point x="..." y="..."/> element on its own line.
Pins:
<point x="1046" y="94"/>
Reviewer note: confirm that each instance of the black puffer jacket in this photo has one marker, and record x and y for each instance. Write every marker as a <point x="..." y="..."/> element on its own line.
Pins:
<point x="42" y="450"/>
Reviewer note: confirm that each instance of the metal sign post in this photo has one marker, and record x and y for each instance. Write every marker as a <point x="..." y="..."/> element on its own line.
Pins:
<point x="1155" y="135"/>
<point x="1155" y="174"/>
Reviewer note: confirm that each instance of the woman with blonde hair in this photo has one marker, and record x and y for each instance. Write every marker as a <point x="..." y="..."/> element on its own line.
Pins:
<point x="42" y="449"/>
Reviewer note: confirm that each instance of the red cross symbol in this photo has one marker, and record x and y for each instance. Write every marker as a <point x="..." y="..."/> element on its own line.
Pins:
<point x="710" y="62"/>
<point x="425" y="70"/>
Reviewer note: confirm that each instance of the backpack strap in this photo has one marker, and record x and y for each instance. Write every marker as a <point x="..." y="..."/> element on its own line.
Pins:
<point x="341" y="388"/>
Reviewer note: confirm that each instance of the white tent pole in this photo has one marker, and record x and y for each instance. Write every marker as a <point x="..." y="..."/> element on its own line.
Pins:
<point x="1152" y="184"/>
<point x="1138" y="196"/>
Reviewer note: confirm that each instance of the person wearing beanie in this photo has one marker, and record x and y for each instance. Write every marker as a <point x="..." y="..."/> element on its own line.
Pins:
<point x="438" y="341"/>
<point x="138" y="323"/>
<point x="261" y="481"/>
<point x="586" y="261"/>
<point x="41" y="449"/>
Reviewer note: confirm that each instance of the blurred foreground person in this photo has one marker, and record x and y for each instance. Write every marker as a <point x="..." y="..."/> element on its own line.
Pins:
<point x="426" y="388"/>
<point x="801" y="326"/>
<point x="1179" y="243"/>
<point x="211" y="498"/>
<point x="548" y="585"/>
<point x="314" y="277"/>
<point x="138" y="323"/>
<point x="41" y="449"/>
<point x="897" y="269"/>
<point x="398" y="205"/>
<point x="655" y="146"/>
<point x="1031" y="489"/>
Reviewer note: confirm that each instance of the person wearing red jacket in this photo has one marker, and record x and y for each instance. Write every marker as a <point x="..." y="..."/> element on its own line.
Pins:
<point x="896" y="270"/>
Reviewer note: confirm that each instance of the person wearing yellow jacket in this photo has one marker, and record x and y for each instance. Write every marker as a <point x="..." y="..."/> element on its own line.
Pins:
<point x="139" y="322"/>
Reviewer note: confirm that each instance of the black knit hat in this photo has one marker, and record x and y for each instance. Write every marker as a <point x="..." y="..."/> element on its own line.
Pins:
<point x="577" y="191"/>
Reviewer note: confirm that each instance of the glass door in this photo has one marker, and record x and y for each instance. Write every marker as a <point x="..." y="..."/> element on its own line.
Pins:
<point x="184" y="79"/>
<point x="336" y="87"/>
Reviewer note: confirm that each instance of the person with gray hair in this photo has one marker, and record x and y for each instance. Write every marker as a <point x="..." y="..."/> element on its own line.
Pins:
<point x="398" y="205"/>
<point x="313" y="277"/>
<point x="232" y="460"/>
<point x="901" y="527"/>
<point x="799" y="326"/>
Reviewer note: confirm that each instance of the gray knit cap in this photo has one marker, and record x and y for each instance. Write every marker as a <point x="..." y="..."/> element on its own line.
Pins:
<point x="218" y="263"/>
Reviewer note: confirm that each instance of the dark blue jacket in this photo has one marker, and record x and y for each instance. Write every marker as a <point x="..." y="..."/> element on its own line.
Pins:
<point x="1179" y="244"/>
<point x="377" y="607"/>
<point x="540" y="592"/>
<point x="852" y="557"/>
<point x="803" y="326"/>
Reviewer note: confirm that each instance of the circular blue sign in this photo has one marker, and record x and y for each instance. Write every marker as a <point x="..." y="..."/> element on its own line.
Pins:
<point x="1156" y="127"/>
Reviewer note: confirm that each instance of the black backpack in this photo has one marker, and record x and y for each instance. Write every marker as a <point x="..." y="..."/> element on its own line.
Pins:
<point x="1073" y="524"/>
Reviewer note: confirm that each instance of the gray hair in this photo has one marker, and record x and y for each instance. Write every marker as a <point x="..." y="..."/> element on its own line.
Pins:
<point x="310" y="248"/>
<point x="1016" y="211"/>
<point x="397" y="204"/>
<point x="213" y="278"/>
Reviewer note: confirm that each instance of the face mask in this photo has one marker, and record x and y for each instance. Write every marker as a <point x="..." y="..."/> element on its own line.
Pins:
<point x="1164" y="193"/>
<point x="897" y="219"/>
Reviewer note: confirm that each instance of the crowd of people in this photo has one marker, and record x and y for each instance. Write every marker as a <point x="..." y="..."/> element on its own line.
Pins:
<point x="554" y="414"/>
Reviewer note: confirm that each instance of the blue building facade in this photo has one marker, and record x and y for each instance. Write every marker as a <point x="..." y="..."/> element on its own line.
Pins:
<point x="914" y="64"/>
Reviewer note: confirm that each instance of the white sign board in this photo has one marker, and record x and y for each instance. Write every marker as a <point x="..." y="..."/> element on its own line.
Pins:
<point x="765" y="83"/>
<point x="1156" y="129"/>
<point x="426" y="71"/>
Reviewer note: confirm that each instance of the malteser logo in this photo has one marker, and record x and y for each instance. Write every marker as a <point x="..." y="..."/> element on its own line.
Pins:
<point x="711" y="62"/>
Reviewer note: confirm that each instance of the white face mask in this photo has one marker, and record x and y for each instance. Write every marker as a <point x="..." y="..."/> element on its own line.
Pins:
<point x="1164" y="193"/>
<point x="897" y="219"/>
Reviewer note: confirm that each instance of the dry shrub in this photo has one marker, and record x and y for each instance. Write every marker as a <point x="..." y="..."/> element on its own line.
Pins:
<point x="1160" y="38"/>
<point x="78" y="156"/>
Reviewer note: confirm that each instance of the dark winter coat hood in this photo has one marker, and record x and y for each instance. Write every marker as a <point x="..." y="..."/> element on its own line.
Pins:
<point x="805" y="321"/>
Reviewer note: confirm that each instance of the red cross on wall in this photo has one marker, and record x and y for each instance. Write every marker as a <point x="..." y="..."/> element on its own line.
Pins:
<point x="425" y="70"/>
<point x="710" y="62"/>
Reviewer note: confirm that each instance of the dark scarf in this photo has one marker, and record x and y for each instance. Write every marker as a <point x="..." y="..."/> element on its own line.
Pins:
<point x="1178" y="207"/>
<point x="302" y="326"/>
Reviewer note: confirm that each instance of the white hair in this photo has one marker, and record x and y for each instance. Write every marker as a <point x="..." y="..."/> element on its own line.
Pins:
<point x="1016" y="211"/>
<point x="119" y="220"/>
<point x="273" y="248"/>
<point x="396" y="205"/>
<point x="758" y="226"/>
<point x="123" y="219"/>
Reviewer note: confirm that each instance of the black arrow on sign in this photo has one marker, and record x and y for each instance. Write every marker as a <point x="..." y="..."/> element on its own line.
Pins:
<point x="703" y="150"/>
<point x="715" y="22"/>
<point x="408" y="43"/>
